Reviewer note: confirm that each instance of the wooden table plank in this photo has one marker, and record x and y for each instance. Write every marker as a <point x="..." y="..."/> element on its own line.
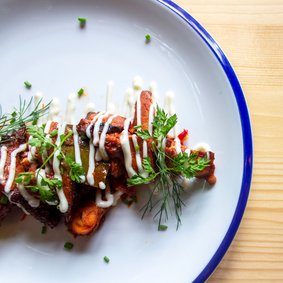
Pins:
<point x="251" y="35"/>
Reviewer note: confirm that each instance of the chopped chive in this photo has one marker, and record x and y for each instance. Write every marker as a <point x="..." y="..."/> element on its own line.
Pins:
<point x="4" y="200"/>
<point x="82" y="21"/>
<point x="106" y="259"/>
<point x="147" y="38"/>
<point x="80" y="92"/>
<point x="137" y="148"/>
<point x="43" y="229"/>
<point x="28" y="84"/>
<point x="68" y="246"/>
<point x="162" y="227"/>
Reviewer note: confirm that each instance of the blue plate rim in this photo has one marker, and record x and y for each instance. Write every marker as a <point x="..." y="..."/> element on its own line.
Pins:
<point x="246" y="134"/>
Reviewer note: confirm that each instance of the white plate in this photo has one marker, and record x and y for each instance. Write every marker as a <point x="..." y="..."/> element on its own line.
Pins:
<point x="41" y="42"/>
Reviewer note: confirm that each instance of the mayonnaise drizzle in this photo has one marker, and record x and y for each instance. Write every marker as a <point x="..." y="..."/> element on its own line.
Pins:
<point x="102" y="185"/>
<point x="151" y="117"/>
<point x="170" y="108"/>
<point x="125" y="144"/>
<point x="96" y="128"/>
<point x="144" y="149"/>
<point x="63" y="205"/>
<point x="54" y="110"/>
<point x="103" y="203"/>
<point x="138" y="156"/>
<point x="71" y="108"/>
<point x="178" y="145"/>
<point x="91" y="164"/>
<point x="102" y="150"/>
<point x="12" y="170"/>
<point x="3" y="162"/>
<point x="32" y="201"/>
<point x="91" y="157"/>
<point x="77" y="149"/>
<point x="138" y="111"/>
<point x="31" y="152"/>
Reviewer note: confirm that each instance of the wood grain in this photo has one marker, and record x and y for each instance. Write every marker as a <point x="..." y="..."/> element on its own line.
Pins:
<point x="251" y="34"/>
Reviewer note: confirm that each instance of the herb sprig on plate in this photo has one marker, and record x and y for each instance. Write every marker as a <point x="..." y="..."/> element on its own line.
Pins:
<point x="164" y="176"/>
<point x="11" y="122"/>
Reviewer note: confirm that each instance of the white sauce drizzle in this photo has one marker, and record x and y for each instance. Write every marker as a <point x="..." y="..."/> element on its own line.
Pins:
<point x="170" y="108"/>
<point x="2" y="163"/>
<point x="31" y="152"/>
<point x="32" y="201"/>
<point x="71" y="108"/>
<point x="131" y="103"/>
<point x="138" y="156"/>
<point x="138" y="112"/>
<point x="91" y="164"/>
<point x="38" y="97"/>
<point x="117" y="196"/>
<point x="104" y="203"/>
<point x="12" y="170"/>
<point x="63" y="205"/>
<point x="54" y="110"/>
<point x="47" y="127"/>
<point x="102" y="185"/>
<point x="90" y="107"/>
<point x="137" y="83"/>
<point x="153" y="89"/>
<point x="144" y="149"/>
<point x="202" y="147"/>
<point x="95" y="133"/>
<point x="17" y="204"/>
<point x="151" y="117"/>
<point x="125" y="144"/>
<point x="91" y="156"/>
<point x="178" y="145"/>
<point x="77" y="149"/>
<point x="102" y="150"/>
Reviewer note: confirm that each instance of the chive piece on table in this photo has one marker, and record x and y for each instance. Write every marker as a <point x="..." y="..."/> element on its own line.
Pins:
<point x="27" y="84"/>
<point x="147" y="38"/>
<point x="68" y="246"/>
<point x="162" y="227"/>
<point x="82" y="21"/>
<point x="80" y="92"/>
<point x="106" y="259"/>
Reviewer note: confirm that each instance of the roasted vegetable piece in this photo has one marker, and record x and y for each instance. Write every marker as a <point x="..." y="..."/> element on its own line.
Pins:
<point x="87" y="219"/>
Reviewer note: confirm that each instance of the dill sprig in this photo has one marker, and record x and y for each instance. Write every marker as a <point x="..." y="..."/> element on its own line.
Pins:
<point x="11" y="122"/>
<point x="168" y="170"/>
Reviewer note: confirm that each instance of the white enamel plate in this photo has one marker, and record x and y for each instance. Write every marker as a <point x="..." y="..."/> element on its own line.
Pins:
<point x="41" y="42"/>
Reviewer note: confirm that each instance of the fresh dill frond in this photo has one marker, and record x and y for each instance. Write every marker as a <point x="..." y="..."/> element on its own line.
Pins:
<point x="166" y="193"/>
<point x="23" y="116"/>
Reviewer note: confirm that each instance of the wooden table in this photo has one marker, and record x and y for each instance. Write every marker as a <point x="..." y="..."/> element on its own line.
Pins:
<point x="250" y="32"/>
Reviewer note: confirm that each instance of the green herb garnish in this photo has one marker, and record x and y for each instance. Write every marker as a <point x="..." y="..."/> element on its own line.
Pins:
<point x="9" y="123"/>
<point x="147" y="38"/>
<point x="80" y="92"/>
<point x="76" y="170"/>
<point x="27" y="84"/>
<point x="68" y="246"/>
<point x="82" y="21"/>
<point x="168" y="170"/>
<point x="106" y="259"/>
<point x="162" y="227"/>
